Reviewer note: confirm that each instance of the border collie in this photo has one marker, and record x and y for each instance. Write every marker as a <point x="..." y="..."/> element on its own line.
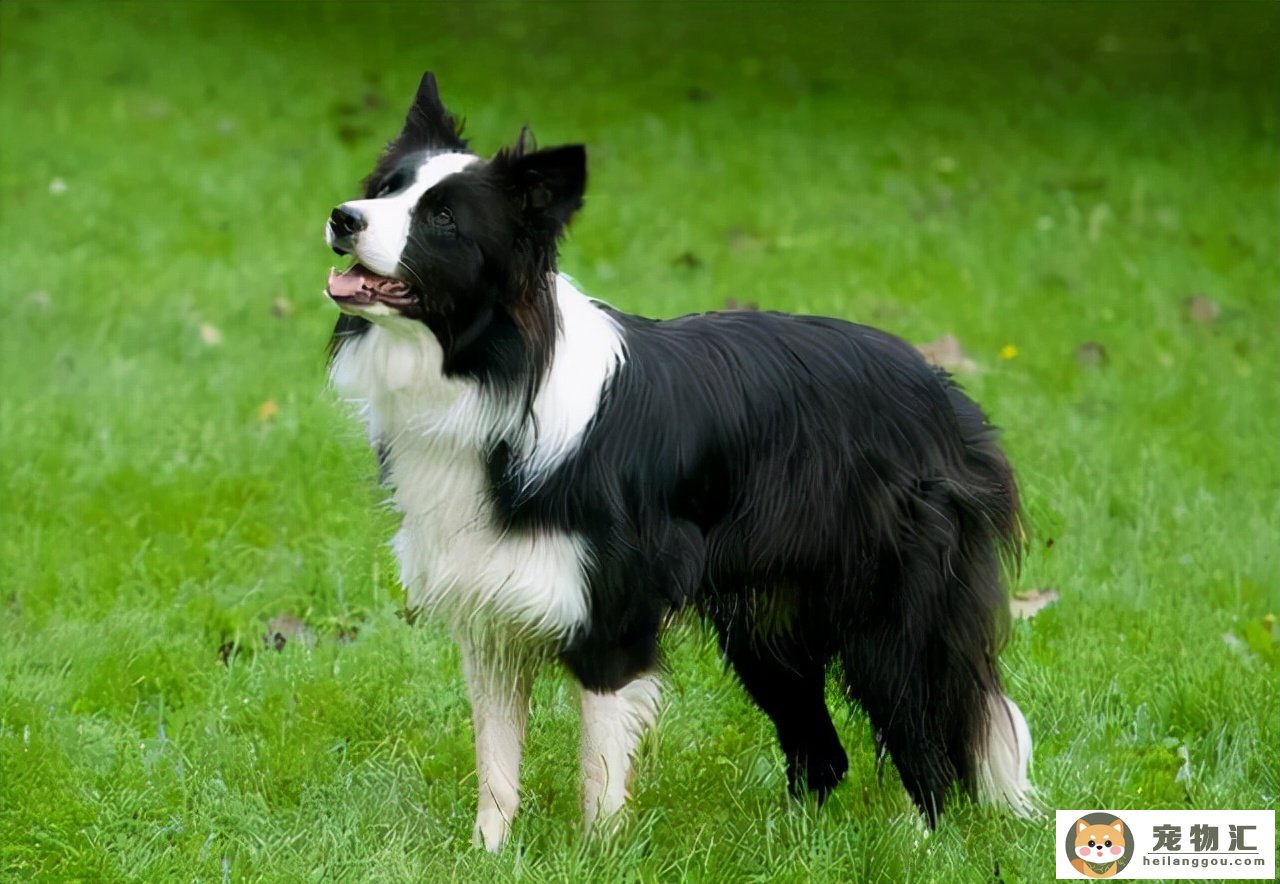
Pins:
<point x="570" y="475"/>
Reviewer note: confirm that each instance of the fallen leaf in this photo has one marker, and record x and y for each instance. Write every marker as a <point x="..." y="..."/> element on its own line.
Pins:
<point x="57" y="187"/>
<point x="1091" y="354"/>
<point x="742" y="241"/>
<point x="947" y="353"/>
<point x="735" y="304"/>
<point x="267" y="410"/>
<point x="1025" y="605"/>
<point x="285" y="628"/>
<point x="1201" y="310"/>
<point x="282" y="308"/>
<point x="210" y="334"/>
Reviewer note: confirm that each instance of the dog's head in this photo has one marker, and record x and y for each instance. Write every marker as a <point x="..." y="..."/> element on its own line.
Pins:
<point x="449" y="239"/>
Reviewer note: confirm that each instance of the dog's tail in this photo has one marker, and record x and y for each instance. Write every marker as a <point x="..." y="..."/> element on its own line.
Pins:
<point x="1000" y="771"/>
<point x="1000" y="750"/>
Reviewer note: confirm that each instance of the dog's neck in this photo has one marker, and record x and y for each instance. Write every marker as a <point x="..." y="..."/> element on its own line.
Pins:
<point x="394" y="375"/>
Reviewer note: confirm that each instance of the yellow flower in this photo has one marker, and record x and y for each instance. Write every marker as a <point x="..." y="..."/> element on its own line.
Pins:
<point x="1009" y="351"/>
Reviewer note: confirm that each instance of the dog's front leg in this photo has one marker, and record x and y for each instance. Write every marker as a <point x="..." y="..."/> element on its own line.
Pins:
<point x="499" y="683"/>
<point x="612" y="725"/>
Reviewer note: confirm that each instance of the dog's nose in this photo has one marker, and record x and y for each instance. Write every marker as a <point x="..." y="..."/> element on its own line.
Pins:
<point x="344" y="223"/>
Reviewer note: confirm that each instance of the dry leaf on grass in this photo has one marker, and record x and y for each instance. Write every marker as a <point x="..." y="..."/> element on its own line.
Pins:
<point x="267" y="410"/>
<point x="210" y="334"/>
<point x="286" y="628"/>
<point x="1201" y="310"/>
<point x="947" y="353"/>
<point x="741" y="240"/>
<point x="1091" y="354"/>
<point x="1025" y="605"/>
<point x="282" y="308"/>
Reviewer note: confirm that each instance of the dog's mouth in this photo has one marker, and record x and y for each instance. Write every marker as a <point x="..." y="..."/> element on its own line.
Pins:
<point x="361" y="287"/>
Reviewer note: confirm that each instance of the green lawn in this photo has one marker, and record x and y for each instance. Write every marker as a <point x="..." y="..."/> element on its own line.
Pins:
<point x="175" y="474"/>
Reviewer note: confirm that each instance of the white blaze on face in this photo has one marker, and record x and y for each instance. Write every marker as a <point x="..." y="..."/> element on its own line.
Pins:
<point x="381" y="243"/>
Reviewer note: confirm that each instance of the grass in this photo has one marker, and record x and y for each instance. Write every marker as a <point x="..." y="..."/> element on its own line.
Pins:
<point x="1029" y="178"/>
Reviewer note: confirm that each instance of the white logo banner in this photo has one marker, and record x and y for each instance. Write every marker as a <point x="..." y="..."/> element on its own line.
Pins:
<point x="1168" y="844"/>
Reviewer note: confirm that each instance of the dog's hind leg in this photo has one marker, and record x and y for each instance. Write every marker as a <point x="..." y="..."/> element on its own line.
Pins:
<point x="920" y="659"/>
<point x="784" y="671"/>
<point x="612" y="727"/>
<point x="887" y="675"/>
<point x="499" y="682"/>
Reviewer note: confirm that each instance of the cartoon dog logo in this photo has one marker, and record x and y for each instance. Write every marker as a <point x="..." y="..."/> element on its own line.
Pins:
<point x="1098" y="845"/>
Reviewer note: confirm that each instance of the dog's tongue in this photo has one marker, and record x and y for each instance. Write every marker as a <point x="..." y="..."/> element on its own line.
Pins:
<point x="360" y="282"/>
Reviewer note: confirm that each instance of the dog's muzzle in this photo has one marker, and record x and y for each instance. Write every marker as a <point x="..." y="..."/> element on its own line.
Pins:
<point x="345" y="223"/>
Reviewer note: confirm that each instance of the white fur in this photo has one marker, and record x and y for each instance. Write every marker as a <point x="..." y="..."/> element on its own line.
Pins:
<point x="612" y="726"/>
<point x="387" y="219"/>
<point x="1003" y="765"/>
<point x="589" y="349"/>
<point x="453" y="556"/>
<point x="508" y="595"/>
<point x="499" y="682"/>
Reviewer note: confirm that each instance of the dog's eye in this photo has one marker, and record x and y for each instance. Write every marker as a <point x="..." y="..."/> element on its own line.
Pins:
<point x="1107" y="844"/>
<point x="1091" y="844"/>
<point x="441" y="217"/>
<point x="390" y="185"/>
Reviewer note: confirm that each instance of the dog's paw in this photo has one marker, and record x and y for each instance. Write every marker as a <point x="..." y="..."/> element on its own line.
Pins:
<point x="817" y="773"/>
<point x="491" y="830"/>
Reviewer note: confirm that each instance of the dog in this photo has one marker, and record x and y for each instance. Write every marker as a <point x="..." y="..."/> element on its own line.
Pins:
<point x="570" y="476"/>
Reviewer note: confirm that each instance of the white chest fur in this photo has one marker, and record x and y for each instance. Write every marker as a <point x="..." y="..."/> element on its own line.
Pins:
<point x="454" y="559"/>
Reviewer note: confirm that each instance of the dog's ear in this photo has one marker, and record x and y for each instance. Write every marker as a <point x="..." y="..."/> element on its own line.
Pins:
<point x="547" y="185"/>
<point x="429" y="123"/>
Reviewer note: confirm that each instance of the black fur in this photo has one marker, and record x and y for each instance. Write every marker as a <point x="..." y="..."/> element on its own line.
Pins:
<point x="817" y="471"/>
<point x="812" y="487"/>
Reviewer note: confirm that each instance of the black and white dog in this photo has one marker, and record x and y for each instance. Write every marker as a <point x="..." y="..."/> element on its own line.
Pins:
<point x="570" y="475"/>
